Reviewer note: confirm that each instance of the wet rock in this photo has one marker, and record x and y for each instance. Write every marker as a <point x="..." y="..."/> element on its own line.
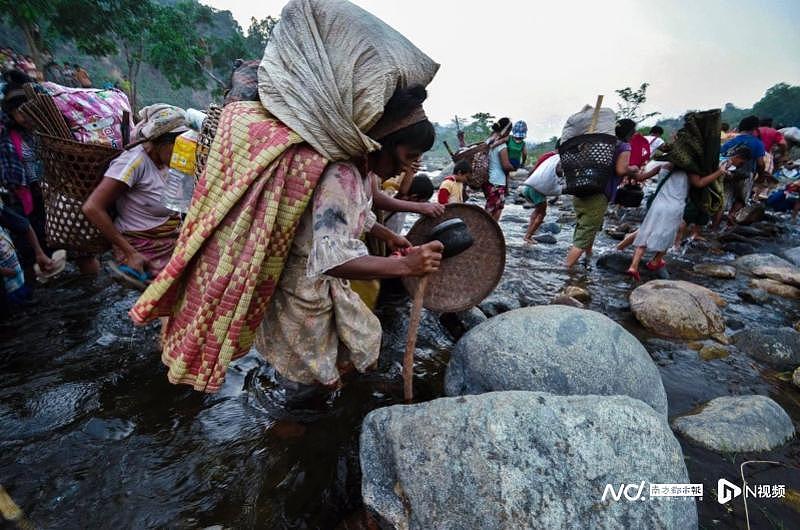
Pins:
<point x="796" y="377"/>
<point x="549" y="239"/>
<point x="498" y="303"/>
<point x="754" y="296"/>
<point x="750" y="231"/>
<point x="566" y="217"/>
<point x="739" y="249"/>
<point x="787" y="275"/>
<point x="557" y="349"/>
<point x="735" y="324"/>
<point x="616" y="233"/>
<point x="751" y="214"/>
<point x="746" y="264"/>
<point x="578" y="293"/>
<point x="715" y="270"/>
<point x="550" y="228"/>
<point x="459" y="323"/>
<point x="733" y="424"/>
<point x="614" y="261"/>
<point x="709" y="352"/>
<point x="777" y="288"/>
<point x="733" y="237"/>
<point x="567" y="301"/>
<point x="793" y="255"/>
<point x="777" y="347"/>
<point x="507" y="459"/>
<point x="678" y="309"/>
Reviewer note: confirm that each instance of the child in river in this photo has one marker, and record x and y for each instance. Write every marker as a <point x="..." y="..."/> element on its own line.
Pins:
<point x="452" y="188"/>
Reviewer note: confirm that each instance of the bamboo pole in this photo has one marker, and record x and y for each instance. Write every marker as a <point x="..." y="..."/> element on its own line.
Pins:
<point x="596" y="113"/>
<point x="411" y="340"/>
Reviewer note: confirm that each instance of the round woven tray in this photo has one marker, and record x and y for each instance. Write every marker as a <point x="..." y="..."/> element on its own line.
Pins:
<point x="71" y="171"/>
<point x="462" y="281"/>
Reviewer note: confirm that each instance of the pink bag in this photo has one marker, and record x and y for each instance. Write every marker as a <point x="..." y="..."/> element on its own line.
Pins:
<point x="93" y="115"/>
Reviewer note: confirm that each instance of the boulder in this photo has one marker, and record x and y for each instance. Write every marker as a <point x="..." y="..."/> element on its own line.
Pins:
<point x="737" y="424"/>
<point x="793" y="255"/>
<point x="787" y="275"/>
<point x="796" y="377"/>
<point x="520" y="460"/>
<point x="777" y="347"/>
<point x="679" y="309"/>
<point x="498" y="303"/>
<point x="754" y="296"/>
<point x="777" y="288"/>
<point x="614" y="261"/>
<point x="459" y="323"/>
<point x="710" y="352"/>
<point x="746" y="264"/>
<point x="557" y="349"/>
<point x="715" y="270"/>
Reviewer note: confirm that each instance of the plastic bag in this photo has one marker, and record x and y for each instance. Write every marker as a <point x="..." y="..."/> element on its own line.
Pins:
<point x="544" y="178"/>
<point x="578" y="123"/>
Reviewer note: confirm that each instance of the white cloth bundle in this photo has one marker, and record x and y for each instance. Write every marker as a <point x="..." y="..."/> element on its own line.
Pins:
<point x="329" y="69"/>
<point x="578" y="123"/>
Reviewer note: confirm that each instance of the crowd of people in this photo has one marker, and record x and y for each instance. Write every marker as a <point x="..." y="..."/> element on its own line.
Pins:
<point x="65" y="74"/>
<point x="310" y="322"/>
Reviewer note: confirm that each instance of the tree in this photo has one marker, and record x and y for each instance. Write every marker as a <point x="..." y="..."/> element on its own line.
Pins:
<point x="631" y="101"/>
<point x="480" y="127"/>
<point x="781" y="103"/>
<point x="258" y="35"/>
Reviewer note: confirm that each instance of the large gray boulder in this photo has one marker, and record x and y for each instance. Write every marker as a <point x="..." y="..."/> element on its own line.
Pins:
<point x="556" y="349"/>
<point x="746" y="264"/>
<point x="777" y="347"/>
<point x="520" y="460"/>
<point x="735" y="424"/>
<point x="679" y="309"/>
<point x="793" y="255"/>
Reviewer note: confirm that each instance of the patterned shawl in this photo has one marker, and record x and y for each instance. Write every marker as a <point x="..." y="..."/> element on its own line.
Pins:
<point x="233" y="245"/>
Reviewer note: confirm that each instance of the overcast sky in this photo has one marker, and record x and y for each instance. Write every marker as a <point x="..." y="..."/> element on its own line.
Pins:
<point x="541" y="61"/>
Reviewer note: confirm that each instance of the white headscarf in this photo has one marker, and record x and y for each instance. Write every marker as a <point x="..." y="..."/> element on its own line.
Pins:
<point x="157" y="120"/>
<point x="329" y="69"/>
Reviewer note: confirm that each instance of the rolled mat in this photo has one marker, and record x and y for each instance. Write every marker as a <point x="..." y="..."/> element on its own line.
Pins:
<point x="233" y="245"/>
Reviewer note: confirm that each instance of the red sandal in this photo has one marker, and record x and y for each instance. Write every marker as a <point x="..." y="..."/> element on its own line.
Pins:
<point x="634" y="274"/>
<point x="654" y="268"/>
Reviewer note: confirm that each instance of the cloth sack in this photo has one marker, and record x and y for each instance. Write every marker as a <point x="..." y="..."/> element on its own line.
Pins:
<point x="544" y="178"/>
<point x="329" y="69"/>
<point x="579" y="123"/>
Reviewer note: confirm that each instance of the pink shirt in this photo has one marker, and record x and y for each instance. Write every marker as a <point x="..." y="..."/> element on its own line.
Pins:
<point x="139" y="208"/>
<point x="769" y="137"/>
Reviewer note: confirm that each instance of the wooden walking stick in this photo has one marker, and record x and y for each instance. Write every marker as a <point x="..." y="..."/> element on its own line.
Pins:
<point x="411" y="339"/>
<point x="455" y="238"/>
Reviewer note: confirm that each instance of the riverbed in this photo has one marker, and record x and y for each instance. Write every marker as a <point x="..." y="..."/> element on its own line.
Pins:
<point x="93" y="436"/>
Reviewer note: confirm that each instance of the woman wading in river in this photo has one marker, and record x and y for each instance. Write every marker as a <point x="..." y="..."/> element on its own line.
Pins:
<point x="273" y="234"/>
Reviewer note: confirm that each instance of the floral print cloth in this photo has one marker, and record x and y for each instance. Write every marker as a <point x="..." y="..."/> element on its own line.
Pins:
<point x="314" y="320"/>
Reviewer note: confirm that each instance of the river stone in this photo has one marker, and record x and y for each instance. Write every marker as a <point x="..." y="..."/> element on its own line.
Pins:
<point x="787" y="275"/>
<point x="614" y="261"/>
<point x="550" y="228"/>
<point x="754" y="296"/>
<point x="710" y="352"/>
<point x="778" y="347"/>
<point x="793" y="255"/>
<point x="737" y="424"/>
<point x="796" y="377"/>
<point x="567" y="301"/>
<point x="498" y="303"/>
<point x="751" y="214"/>
<point x="678" y="309"/>
<point x="557" y="349"/>
<point x="520" y="460"/>
<point x="578" y="293"/>
<point x="547" y="239"/>
<point x="715" y="270"/>
<point x="746" y="264"/>
<point x="777" y="288"/>
<point x="738" y="248"/>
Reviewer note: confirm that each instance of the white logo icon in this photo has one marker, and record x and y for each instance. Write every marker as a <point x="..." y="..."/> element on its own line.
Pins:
<point x="727" y="491"/>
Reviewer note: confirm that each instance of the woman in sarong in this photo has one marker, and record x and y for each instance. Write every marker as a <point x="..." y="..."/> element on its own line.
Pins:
<point x="144" y="232"/>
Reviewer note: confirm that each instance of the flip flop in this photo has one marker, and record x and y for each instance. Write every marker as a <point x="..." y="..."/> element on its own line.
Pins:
<point x="654" y="268"/>
<point x="60" y="259"/>
<point x="634" y="274"/>
<point x="128" y="276"/>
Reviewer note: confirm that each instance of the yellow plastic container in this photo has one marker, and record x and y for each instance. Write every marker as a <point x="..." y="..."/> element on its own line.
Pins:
<point x="184" y="153"/>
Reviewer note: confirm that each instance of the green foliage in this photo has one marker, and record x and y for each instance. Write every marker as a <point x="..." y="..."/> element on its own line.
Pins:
<point x="258" y="34"/>
<point x="781" y="103"/>
<point x="631" y="101"/>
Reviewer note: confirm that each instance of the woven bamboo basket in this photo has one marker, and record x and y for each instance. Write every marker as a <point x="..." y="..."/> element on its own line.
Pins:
<point x="71" y="171"/>
<point x="206" y="137"/>
<point x="462" y="281"/>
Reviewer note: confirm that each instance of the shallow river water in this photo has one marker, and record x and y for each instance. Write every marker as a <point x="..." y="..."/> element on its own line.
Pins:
<point x="93" y="436"/>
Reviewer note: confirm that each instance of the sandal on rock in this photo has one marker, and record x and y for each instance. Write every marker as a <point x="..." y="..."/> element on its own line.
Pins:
<point x="128" y="276"/>
<point x="59" y="258"/>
